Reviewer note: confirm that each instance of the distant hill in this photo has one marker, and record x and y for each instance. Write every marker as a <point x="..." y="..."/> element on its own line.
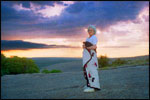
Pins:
<point x="47" y="61"/>
<point x="130" y="58"/>
<point x="144" y="56"/>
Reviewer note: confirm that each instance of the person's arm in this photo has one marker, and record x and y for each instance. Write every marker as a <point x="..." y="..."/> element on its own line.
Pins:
<point x="92" y="47"/>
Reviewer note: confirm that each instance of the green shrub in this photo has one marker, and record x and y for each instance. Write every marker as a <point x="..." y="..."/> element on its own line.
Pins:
<point x="17" y="65"/>
<point x="103" y="61"/>
<point x="118" y="62"/>
<point x="52" y="71"/>
<point x="46" y="71"/>
<point x="56" y="71"/>
<point x="4" y="69"/>
<point x="147" y="60"/>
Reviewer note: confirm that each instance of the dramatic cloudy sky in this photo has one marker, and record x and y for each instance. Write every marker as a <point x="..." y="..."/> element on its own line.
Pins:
<point x="58" y="28"/>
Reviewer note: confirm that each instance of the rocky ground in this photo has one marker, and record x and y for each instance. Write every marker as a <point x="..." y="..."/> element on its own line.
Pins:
<point x="120" y="83"/>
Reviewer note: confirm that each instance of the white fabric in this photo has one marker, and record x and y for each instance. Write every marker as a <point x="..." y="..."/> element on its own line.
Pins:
<point x="88" y="89"/>
<point x="92" y="39"/>
<point x="91" y="68"/>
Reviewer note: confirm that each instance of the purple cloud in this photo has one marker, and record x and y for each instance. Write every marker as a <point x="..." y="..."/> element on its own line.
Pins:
<point x="72" y="19"/>
<point x="22" y="45"/>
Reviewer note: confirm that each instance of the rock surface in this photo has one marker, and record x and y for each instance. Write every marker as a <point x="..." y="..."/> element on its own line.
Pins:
<point x="120" y="83"/>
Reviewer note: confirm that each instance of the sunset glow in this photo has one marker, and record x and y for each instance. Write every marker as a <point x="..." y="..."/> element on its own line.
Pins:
<point x="57" y="29"/>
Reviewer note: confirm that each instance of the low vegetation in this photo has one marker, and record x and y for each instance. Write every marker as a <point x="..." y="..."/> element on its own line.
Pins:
<point x="103" y="61"/>
<point x="118" y="62"/>
<point x="106" y="63"/>
<point x="17" y="65"/>
<point x="139" y="62"/>
<point x="52" y="71"/>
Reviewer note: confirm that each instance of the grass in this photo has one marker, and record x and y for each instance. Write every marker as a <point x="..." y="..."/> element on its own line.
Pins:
<point x="52" y="71"/>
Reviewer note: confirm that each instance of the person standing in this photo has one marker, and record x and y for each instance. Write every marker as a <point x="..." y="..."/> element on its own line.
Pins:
<point x="90" y="62"/>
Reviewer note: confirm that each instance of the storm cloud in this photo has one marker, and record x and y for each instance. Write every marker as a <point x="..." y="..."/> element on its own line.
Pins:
<point x="22" y="45"/>
<point x="71" y="21"/>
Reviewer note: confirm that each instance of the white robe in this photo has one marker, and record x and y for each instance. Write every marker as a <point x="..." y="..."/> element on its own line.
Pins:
<point x="90" y="68"/>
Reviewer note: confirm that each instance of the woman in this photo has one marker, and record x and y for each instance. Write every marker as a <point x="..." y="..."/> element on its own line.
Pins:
<point x="90" y="62"/>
